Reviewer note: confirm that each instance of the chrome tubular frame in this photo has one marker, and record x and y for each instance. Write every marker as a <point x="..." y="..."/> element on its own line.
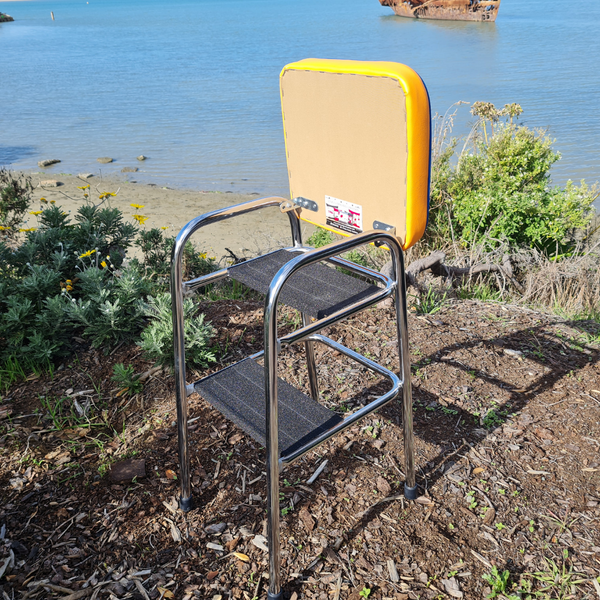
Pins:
<point x="308" y="334"/>
<point x="271" y="357"/>
<point x="177" y="289"/>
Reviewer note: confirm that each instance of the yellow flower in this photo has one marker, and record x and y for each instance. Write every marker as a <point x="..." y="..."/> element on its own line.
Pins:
<point x="137" y="206"/>
<point x="3" y="228"/>
<point x="36" y="212"/>
<point x="203" y="255"/>
<point x="141" y="219"/>
<point x="164" y="228"/>
<point x="52" y="201"/>
<point x="88" y="253"/>
<point x="69" y="281"/>
<point x="103" y="263"/>
<point x="83" y="187"/>
<point x="27" y="229"/>
<point x="69" y="288"/>
<point x="86" y="195"/>
<point x="44" y="200"/>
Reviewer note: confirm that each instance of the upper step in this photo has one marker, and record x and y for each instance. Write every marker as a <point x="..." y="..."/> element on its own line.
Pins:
<point x="317" y="290"/>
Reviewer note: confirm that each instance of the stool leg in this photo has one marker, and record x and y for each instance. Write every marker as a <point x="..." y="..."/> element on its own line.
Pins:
<point x="310" y="363"/>
<point x="185" y="501"/>
<point x="410" y="487"/>
<point x="272" y="435"/>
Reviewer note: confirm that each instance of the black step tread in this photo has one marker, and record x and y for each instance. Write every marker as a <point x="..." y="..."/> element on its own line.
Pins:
<point x="317" y="290"/>
<point x="238" y="392"/>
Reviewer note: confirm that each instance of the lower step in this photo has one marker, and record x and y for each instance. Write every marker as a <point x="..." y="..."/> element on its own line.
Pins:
<point x="238" y="392"/>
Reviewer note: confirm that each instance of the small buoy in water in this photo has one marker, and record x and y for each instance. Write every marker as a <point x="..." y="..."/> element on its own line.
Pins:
<point x="52" y="15"/>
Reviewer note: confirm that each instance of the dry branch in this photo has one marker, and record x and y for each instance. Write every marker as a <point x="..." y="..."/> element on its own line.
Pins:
<point x="435" y="263"/>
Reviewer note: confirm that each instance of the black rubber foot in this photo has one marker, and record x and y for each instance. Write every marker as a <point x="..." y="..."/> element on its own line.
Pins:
<point x="274" y="596"/>
<point x="410" y="493"/>
<point x="186" y="504"/>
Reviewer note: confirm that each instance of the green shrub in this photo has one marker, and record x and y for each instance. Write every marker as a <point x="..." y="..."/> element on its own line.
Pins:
<point x="127" y="379"/>
<point x="157" y="338"/>
<point x="15" y="198"/>
<point x="320" y="237"/>
<point x="111" y="310"/>
<point x="499" y="191"/>
<point x="65" y="277"/>
<point x="156" y="256"/>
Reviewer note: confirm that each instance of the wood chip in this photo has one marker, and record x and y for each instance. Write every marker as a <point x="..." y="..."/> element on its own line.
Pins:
<point x="383" y="486"/>
<point x="391" y="565"/>
<point x="490" y="516"/>
<point x="307" y="520"/>
<point x="217" y="547"/>
<point x="235" y="438"/>
<point x="451" y="587"/>
<point x="481" y="559"/>
<point x="232" y="544"/>
<point x="126" y="470"/>
<point x="317" y="472"/>
<point x="141" y="589"/>
<point x="423" y="500"/>
<point x="79" y="594"/>
<point x="260" y="541"/>
<point x="338" y="588"/>
<point x="532" y="472"/>
<point x="175" y="533"/>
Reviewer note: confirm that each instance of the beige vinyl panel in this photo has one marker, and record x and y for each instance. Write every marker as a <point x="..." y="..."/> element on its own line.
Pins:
<point x="346" y="139"/>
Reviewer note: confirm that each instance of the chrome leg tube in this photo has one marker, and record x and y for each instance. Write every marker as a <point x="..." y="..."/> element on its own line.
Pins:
<point x="410" y="487"/>
<point x="272" y="435"/>
<point x="185" y="501"/>
<point x="294" y="217"/>
<point x="311" y="363"/>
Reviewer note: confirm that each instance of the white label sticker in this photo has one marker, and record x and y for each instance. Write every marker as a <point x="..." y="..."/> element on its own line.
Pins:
<point x="343" y="215"/>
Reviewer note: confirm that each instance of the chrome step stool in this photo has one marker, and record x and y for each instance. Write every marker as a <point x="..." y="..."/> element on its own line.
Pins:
<point x="358" y="150"/>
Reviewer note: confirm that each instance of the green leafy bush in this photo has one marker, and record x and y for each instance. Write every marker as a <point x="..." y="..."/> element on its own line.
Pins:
<point x="15" y="198"/>
<point x="127" y="379"/>
<point x="320" y="237"/>
<point x="110" y="310"/>
<point x="65" y="278"/>
<point x="157" y="338"/>
<point x="499" y="191"/>
<point x="156" y="256"/>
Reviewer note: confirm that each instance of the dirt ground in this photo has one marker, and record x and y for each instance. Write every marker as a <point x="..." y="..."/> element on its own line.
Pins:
<point x="507" y="425"/>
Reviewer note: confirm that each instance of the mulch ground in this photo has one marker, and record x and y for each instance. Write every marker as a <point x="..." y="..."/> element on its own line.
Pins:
<point x="507" y="424"/>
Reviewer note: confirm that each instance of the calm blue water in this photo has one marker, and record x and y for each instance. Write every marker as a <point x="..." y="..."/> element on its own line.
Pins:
<point x="193" y="84"/>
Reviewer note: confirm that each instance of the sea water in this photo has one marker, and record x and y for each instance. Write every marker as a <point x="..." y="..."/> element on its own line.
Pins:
<point x="193" y="84"/>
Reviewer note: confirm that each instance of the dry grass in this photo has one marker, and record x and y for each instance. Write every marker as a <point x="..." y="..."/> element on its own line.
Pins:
<point x="570" y="286"/>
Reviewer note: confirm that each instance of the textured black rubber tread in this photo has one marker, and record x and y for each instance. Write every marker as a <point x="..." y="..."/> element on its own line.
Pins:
<point x="317" y="290"/>
<point x="238" y="392"/>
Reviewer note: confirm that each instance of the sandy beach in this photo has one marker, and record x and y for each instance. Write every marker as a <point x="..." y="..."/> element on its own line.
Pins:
<point x="171" y="208"/>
